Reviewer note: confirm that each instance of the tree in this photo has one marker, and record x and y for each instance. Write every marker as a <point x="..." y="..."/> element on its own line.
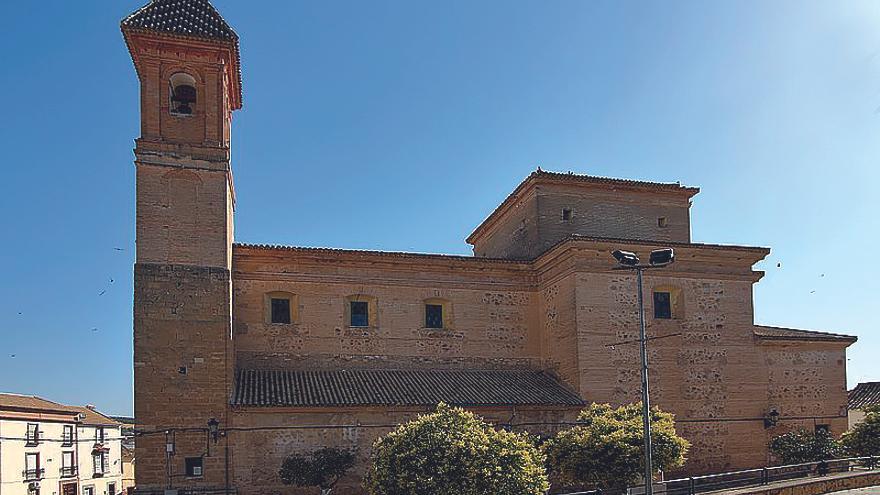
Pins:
<point x="606" y="449"/>
<point x="454" y="451"/>
<point x="323" y="468"/>
<point x="800" y="446"/>
<point x="863" y="439"/>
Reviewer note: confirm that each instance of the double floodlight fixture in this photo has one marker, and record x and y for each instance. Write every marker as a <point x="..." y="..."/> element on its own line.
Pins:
<point x="658" y="258"/>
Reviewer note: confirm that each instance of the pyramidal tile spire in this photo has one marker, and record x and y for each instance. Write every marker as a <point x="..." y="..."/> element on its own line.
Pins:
<point x="196" y="18"/>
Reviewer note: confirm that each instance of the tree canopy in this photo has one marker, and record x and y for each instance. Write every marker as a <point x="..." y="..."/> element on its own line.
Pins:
<point x="322" y="468"/>
<point x="606" y="450"/>
<point x="863" y="439"/>
<point x="800" y="446"/>
<point x="454" y="451"/>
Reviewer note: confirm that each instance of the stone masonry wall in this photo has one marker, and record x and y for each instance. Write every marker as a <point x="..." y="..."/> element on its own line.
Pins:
<point x="487" y="325"/>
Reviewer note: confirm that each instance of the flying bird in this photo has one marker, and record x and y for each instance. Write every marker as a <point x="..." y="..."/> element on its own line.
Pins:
<point x="118" y="249"/>
<point x="778" y="265"/>
<point x="102" y="292"/>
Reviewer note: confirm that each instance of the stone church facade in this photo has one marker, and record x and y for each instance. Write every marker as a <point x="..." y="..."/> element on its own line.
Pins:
<point x="290" y="349"/>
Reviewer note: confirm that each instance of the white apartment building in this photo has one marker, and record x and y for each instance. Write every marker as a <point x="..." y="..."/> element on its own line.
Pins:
<point x="48" y="448"/>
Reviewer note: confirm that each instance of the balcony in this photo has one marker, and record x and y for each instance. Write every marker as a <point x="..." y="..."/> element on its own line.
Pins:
<point x="67" y="441"/>
<point x="32" y="439"/>
<point x="68" y="471"/>
<point x="33" y="474"/>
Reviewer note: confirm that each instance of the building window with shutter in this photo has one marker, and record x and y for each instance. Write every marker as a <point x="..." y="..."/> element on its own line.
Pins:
<point x="68" y="466"/>
<point x="32" y="469"/>
<point x="33" y="434"/>
<point x="67" y="436"/>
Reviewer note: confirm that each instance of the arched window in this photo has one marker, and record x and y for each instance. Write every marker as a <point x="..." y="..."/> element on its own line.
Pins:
<point x="183" y="94"/>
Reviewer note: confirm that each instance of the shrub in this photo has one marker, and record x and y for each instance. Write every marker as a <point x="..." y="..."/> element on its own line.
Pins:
<point x="452" y="451"/>
<point x="800" y="446"/>
<point x="322" y="468"/>
<point x="606" y="450"/>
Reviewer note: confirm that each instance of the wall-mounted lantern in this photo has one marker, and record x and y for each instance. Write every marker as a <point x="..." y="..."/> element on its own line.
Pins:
<point x="771" y="418"/>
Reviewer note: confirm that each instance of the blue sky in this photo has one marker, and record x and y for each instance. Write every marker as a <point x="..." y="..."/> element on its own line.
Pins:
<point x="400" y="125"/>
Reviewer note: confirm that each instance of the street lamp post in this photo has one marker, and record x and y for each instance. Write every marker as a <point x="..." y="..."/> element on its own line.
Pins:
<point x="630" y="261"/>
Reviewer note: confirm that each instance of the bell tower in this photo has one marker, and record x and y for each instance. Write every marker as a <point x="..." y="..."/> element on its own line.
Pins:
<point x="187" y="61"/>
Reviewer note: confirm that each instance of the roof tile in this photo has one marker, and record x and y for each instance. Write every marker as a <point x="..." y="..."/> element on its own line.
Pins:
<point x="197" y="18"/>
<point x="777" y="333"/>
<point x="345" y="388"/>
<point x="864" y="395"/>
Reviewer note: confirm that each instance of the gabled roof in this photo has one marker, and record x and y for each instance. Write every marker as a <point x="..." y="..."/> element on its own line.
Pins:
<point x="864" y="395"/>
<point x="777" y="333"/>
<point x="32" y="403"/>
<point x="94" y="418"/>
<point x="196" y="18"/>
<point x="349" y="388"/>
<point x="572" y="178"/>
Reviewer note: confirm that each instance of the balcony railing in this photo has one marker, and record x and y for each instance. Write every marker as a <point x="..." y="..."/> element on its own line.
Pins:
<point x="68" y="471"/>
<point x="32" y="439"/>
<point x="67" y="440"/>
<point x="33" y="474"/>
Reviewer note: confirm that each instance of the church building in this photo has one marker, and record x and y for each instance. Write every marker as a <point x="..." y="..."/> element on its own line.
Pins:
<point x="244" y="354"/>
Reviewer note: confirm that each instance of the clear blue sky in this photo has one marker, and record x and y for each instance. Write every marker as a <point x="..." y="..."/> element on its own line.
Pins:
<point x="400" y="125"/>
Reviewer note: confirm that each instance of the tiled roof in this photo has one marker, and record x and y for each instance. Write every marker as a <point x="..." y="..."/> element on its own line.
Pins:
<point x="32" y="403"/>
<point x="95" y="418"/>
<point x="777" y="333"/>
<point x="283" y="388"/>
<point x="197" y="18"/>
<point x="864" y="395"/>
<point x="388" y="254"/>
<point x="583" y="179"/>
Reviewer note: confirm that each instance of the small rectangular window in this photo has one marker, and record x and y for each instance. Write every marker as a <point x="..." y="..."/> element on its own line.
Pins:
<point x="433" y="316"/>
<point x="662" y="222"/>
<point x="88" y="490"/>
<point x="193" y="466"/>
<point x="280" y="310"/>
<point x="662" y="306"/>
<point x="360" y="314"/>
<point x="111" y="488"/>
<point x="566" y="214"/>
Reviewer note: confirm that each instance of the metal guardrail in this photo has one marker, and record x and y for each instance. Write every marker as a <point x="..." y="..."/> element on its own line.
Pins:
<point x="755" y="477"/>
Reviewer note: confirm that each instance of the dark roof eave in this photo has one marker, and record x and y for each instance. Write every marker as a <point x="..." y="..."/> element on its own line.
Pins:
<point x="770" y="333"/>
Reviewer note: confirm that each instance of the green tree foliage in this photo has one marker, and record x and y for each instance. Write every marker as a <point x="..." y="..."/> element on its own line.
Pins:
<point x="323" y="468"/>
<point x="800" y="446"/>
<point x="452" y="451"/>
<point x="606" y="450"/>
<point x="863" y="439"/>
